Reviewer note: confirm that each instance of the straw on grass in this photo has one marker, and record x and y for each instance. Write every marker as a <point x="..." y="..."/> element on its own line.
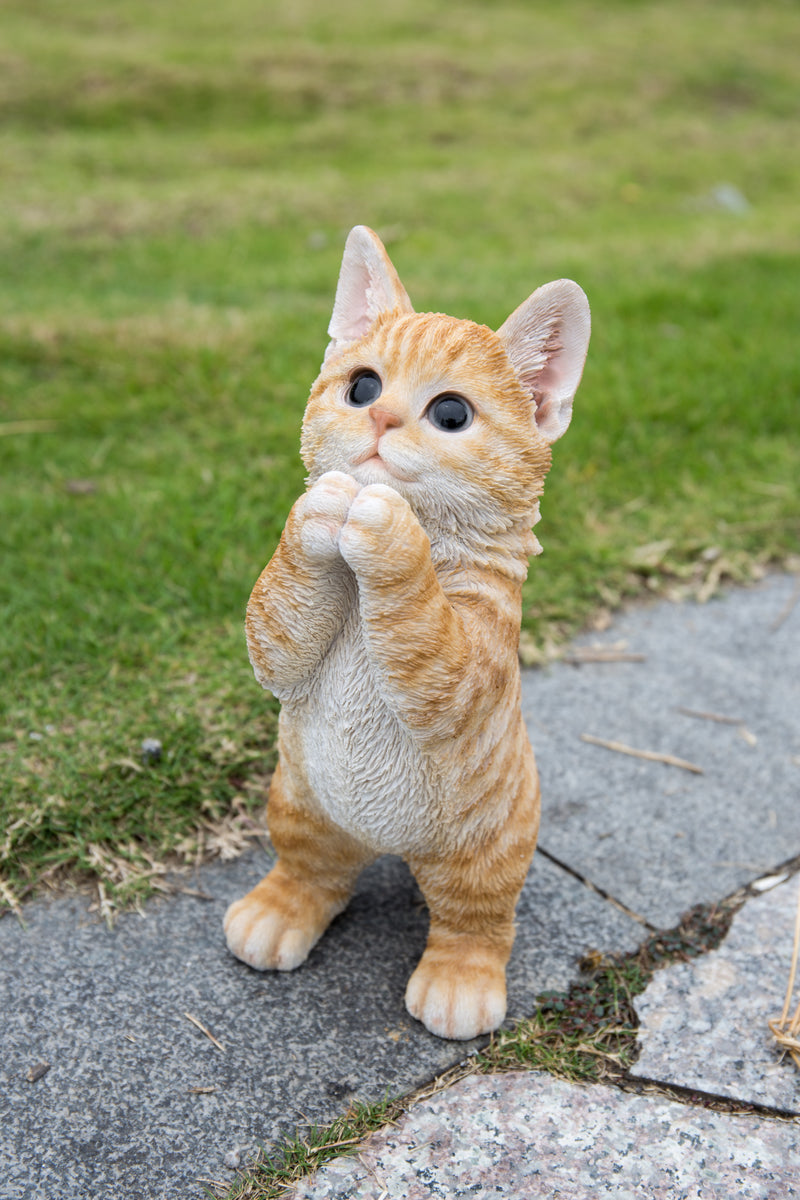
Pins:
<point x="9" y="428"/>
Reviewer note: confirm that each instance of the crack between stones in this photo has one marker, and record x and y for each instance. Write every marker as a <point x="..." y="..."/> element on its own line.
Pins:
<point x="593" y="887"/>
<point x="697" y="1098"/>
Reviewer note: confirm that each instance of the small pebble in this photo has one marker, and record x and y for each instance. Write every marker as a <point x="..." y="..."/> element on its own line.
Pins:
<point x="151" y="749"/>
<point x="726" y="196"/>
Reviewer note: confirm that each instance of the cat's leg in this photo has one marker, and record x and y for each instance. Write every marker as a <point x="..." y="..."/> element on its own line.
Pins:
<point x="442" y="664"/>
<point x="276" y="925"/>
<point x="449" y="668"/>
<point x="459" y="987"/>
<point x="298" y="603"/>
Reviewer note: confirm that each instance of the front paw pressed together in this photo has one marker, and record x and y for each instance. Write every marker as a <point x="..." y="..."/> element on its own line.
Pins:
<point x="382" y="536"/>
<point x="322" y="512"/>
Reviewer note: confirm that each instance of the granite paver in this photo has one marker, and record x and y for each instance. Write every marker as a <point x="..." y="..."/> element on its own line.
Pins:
<point x="704" y="1023"/>
<point x="526" y="1135"/>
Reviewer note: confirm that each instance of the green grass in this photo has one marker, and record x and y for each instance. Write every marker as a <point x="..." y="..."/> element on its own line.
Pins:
<point x="177" y="181"/>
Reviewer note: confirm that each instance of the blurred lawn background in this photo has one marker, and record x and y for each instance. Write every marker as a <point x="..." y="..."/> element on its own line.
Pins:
<point x="177" y="182"/>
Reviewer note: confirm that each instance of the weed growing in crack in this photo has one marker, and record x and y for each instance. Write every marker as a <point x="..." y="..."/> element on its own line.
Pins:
<point x="589" y="1032"/>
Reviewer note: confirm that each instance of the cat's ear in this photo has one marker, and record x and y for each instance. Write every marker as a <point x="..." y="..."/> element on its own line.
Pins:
<point x="546" y="339"/>
<point x="368" y="286"/>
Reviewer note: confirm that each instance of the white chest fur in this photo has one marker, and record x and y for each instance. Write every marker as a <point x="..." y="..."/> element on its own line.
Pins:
<point x="366" y="770"/>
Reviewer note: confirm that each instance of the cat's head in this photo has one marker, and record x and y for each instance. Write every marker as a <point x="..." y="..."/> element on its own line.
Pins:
<point x="455" y="417"/>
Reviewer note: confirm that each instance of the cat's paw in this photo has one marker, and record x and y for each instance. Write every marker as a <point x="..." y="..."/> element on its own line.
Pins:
<point x="262" y="938"/>
<point x="381" y="535"/>
<point x="275" y="926"/>
<point x="457" y="1000"/>
<point x="322" y="512"/>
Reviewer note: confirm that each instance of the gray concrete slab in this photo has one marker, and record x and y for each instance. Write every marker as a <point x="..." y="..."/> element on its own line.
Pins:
<point x="520" y="1136"/>
<point x="704" y="1023"/>
<point x="118" y="1116"/>
<point x="137" y="1102"/>
<point x="656" y="837"/>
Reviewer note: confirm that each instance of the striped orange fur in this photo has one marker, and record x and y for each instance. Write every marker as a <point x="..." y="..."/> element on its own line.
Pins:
<point x="387" y="623"/>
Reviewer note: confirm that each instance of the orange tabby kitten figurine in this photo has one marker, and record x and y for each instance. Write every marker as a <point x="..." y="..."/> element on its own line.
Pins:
<point x="387" y="624"/>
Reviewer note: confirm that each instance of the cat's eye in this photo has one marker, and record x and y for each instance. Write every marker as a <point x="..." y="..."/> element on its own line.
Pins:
<point x="365" y="388"/>
<point x="450" y="413"/>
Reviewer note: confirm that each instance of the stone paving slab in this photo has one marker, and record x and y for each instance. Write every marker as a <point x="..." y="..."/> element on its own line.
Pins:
<point x="704" y="1023"/>
<point x="115" y="1118"/>
<point x="526" y="1135"/>
<point x="656" y="837"/>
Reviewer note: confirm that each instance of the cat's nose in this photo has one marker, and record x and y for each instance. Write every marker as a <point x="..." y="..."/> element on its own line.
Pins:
<point x="383" y="420"/>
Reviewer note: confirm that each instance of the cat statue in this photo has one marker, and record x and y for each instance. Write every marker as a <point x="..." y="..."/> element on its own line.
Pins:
<point x="387" y="624"/>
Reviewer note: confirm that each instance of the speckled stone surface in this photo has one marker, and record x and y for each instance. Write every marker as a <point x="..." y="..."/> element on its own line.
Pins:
<point x="115" y="1117"/>
<point x="704" y="1023"/>
<point x="656" y="837"/>
<point x="528" y="1135"/>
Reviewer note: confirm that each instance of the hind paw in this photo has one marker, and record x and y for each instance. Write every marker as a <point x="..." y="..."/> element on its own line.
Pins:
<point x="457" y="1000"/>
<point x="263" y="938"/>
<point x="275" y="926"/>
